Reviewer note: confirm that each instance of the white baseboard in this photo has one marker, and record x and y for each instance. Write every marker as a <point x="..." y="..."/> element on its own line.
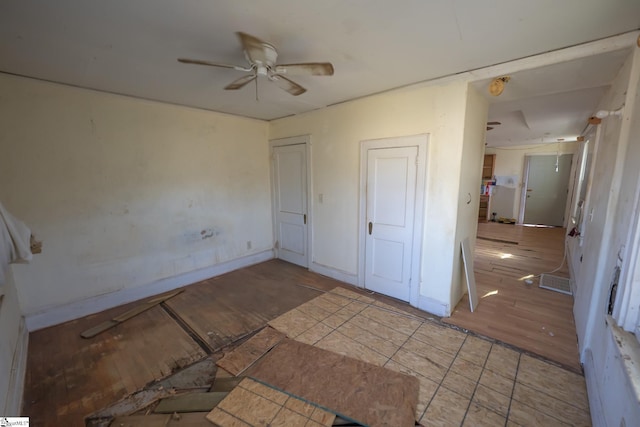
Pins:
<point x="342" y="276"/>
<point x="59" y="314"/>
<point x="433" y="306"/>
<point x="13" y="404"/>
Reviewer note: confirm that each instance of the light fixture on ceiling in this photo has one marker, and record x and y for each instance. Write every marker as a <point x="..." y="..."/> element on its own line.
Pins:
<point x="497" y="85"/>
<point x="604" y="113"/>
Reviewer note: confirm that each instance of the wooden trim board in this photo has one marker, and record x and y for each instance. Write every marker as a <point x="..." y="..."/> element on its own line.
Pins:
<point x="106" y="325"/>
<point x="467" y="258"/>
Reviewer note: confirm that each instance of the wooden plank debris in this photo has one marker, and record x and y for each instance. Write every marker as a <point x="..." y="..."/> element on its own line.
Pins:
<point x="190" y="402"/>
<point x="226" y="384"/>
<point x="467" y="258"/>
<point x="250" y="351"/>
<point x="200" y="374"/>
<point x="354" y="389"/>
<point x="193" y="419"/>
<point x="141" y="421"/>
<point x="130" y="404"/>
<point x="92" y="332"/>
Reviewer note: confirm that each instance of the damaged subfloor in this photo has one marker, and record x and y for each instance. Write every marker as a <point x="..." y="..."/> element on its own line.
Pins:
<point x="121" y="375"/>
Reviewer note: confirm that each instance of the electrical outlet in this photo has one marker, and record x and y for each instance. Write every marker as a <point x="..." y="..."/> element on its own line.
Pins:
<point x="248" y="244"/>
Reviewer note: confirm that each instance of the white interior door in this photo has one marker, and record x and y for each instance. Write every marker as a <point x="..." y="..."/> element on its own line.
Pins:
<point x="391" y="198"/>
<point x="547" y="189"/>
<point x="290" y="188"/>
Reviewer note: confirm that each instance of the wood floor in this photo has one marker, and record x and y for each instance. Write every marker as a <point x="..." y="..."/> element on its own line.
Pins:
<point x="526" y="316"/>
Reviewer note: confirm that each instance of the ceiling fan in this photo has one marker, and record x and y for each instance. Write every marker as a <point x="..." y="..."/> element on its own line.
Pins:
<point x="490" y="125"/>
<point x="262" y="57"/>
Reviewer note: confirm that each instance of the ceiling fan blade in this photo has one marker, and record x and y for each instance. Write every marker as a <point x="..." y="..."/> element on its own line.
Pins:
<point x="290" y="86"/>
<point x="308" y="68"/>
<point x="241" y="82"/>
<point x="254" y="47"/>
<point x="212" y="64"/>
<point x="493" y="123"/>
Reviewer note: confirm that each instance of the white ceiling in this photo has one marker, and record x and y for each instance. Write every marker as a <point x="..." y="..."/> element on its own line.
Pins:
<point x="130" y="47"/>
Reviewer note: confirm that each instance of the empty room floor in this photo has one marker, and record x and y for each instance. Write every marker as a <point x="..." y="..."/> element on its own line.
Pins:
<point x="465" y="379"/>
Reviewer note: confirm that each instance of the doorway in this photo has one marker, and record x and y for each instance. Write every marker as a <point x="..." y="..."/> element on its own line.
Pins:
<point x="393" y="173"/>
<point x="545" y="189"/>
<point x="290" y="190"/>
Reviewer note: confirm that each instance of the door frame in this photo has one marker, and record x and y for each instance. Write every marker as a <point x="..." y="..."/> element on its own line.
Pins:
<point x="281" y="142"/>
<point x="421" y="141"/>
<point x="525" y="184"/>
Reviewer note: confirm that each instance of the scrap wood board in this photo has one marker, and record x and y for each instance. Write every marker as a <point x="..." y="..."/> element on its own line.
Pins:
<point x="190" y="402"/>
<point x="467" y="258"/>
<point x="92" y="332"/>
<point x="193" y="419"/>
<point x="250" y="351"/>
<point x="363" y="392"/>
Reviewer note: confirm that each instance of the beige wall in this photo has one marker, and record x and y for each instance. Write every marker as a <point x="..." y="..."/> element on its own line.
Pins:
<point x="125" y="192"/>
<point x="336" y="135"/>
<point x="475" y="124"/>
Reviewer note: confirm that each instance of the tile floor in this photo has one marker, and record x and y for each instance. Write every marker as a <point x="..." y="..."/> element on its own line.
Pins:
<point x="464" y="380"/>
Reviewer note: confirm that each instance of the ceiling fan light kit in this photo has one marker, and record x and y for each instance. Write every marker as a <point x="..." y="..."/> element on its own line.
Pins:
<point x="497" y="85"/>
<point x="262" y="58"/>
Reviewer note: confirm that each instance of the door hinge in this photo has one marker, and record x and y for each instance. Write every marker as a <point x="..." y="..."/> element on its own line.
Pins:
<point x="304" y="216"/>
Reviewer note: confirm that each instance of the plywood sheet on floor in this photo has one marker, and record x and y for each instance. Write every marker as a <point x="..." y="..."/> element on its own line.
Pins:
<point x="512" y="311"/>
<point x="364" y="392"/>
<point x="256" y="404"/>
<point x="250" y="351"/>
<point x="463" y="379"/>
